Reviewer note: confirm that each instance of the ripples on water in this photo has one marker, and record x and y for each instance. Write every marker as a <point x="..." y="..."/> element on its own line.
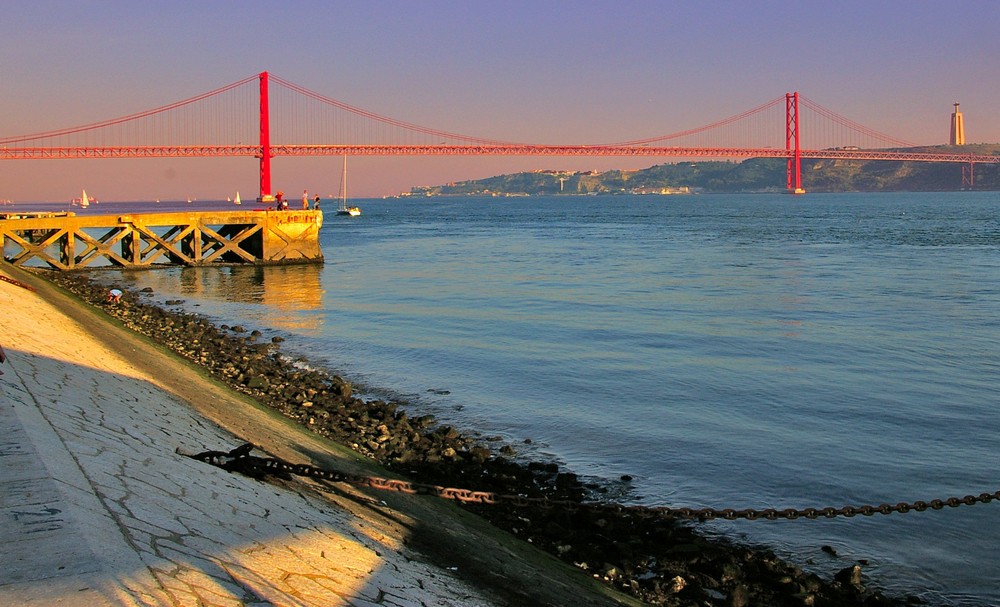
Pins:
<point x="726" y="351"/>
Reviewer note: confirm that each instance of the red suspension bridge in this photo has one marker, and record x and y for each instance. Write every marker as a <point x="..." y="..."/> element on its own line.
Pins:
<point x="223" y="122"/>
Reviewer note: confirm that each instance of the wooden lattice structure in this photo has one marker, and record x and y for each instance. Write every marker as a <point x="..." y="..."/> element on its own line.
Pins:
<point x="67" y="241"/>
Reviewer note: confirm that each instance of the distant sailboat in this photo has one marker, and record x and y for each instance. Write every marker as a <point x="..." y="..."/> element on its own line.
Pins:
<point x="343" y="209"/>
<point x="83" y="201"/>
<point x="237" y="199"/>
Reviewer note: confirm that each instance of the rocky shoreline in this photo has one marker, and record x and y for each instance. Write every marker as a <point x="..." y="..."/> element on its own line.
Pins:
<point x="660" y="562"/>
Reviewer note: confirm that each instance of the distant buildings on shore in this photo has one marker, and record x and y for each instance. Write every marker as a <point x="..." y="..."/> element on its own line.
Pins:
<point x="502" y="189"/>
<point x="427" y="192"/>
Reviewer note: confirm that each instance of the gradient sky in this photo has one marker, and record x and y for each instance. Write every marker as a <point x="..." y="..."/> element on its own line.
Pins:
<point x="545" y="71"/>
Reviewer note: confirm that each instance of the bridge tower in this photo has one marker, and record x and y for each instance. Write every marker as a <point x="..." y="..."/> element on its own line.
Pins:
<point x="957" y="128"/>
<point x="265" y="143"/>
<point x="793" y="179"/>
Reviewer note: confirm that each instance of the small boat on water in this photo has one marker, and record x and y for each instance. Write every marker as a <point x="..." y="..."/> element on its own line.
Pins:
<point x="237" y="199"/>
<point x="343" y="209"/>
<point x="352" y="211"/>
<point x="83" y="201"/>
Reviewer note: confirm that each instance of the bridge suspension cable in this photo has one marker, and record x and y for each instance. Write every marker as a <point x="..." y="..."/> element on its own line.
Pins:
<point x="720" y="123"/>
<point x="385" y="119"/>
<point x="854" y="126"/>
<point x="124" y="119"/>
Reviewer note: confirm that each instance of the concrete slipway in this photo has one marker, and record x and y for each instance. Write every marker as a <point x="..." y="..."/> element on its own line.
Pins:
<point x="99" y="508"/>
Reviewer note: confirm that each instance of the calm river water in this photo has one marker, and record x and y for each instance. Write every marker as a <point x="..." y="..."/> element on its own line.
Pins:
<point x="730" y="351"/>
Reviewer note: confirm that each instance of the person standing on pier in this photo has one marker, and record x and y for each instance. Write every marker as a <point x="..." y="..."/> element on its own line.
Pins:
<point x="305" y="200"/>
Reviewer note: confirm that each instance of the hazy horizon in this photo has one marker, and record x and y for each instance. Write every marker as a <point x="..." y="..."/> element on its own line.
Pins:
<point x="571" y="72"/>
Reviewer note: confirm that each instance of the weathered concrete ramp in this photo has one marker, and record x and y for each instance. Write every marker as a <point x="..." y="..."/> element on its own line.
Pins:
<point x="34" y="513"/>
<point x="145" y="240"/>
<point x="98" y="509"/>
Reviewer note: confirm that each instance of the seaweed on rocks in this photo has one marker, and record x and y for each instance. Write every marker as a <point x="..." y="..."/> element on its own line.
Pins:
<point x="659" y="561"/>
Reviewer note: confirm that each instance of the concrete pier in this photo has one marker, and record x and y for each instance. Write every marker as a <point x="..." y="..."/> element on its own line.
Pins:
<point x="69" y="241"/>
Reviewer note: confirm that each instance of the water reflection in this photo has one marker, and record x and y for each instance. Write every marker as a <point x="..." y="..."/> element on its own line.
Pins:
<point x="284" y="297"/>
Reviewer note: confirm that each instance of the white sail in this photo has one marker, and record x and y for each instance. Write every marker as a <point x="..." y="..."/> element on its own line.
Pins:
<point x="84" y="201"/>
<point x="237" y="199"/>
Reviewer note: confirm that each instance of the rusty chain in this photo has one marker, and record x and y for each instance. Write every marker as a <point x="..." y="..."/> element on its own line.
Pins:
<point x="240" y="460"/>
<point x="16" y="283"/>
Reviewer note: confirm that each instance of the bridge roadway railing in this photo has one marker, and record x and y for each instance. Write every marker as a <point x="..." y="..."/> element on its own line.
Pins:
<point x="167" y="151"/>
<point x="66" y="241"/>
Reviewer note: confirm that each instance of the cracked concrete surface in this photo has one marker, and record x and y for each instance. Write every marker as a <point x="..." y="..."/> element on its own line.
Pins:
<point x="98" y="508"/>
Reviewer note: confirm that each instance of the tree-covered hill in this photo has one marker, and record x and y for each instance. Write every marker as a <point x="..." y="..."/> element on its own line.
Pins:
<point x="753" y="175"/>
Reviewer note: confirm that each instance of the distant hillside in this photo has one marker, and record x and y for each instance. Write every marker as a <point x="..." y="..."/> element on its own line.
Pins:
<point x="753" y="175"/>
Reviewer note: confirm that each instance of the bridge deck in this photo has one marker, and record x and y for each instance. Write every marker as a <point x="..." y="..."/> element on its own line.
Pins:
<point x="141" y="240"/>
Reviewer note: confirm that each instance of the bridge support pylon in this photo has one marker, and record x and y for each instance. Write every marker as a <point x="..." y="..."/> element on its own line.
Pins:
<point x="793" y="173"/>
<point x="969" y="176"/>
<point x="265" y="143"/>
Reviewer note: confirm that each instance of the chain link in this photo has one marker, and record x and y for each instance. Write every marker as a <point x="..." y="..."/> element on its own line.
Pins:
<point x="17" y="283"/>
<point x="240" y="460"/>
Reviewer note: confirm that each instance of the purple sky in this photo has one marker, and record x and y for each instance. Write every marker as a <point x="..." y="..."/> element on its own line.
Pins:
<point x="545" y="71"/>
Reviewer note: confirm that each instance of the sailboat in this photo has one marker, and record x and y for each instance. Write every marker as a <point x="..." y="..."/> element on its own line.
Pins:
<point x="237" y="199"/>
<point x="83" y="200"/>
<point x="343" y="209"/>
